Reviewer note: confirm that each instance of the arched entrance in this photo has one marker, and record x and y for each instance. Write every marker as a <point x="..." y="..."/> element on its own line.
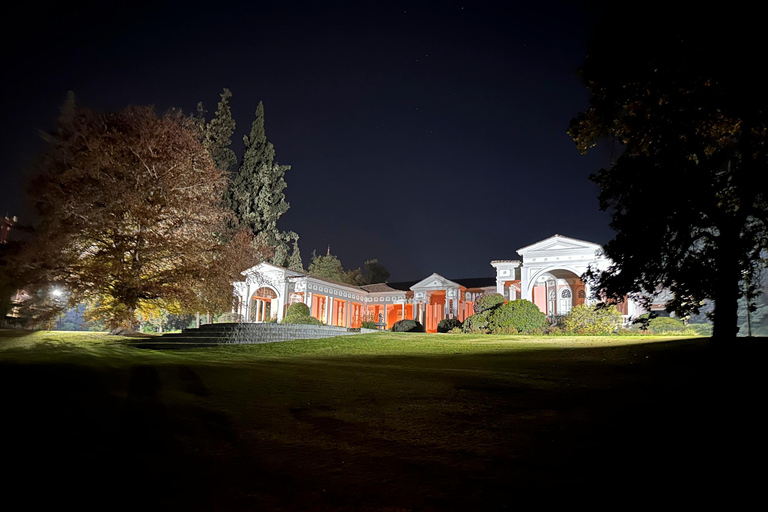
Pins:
<point x="261" y="307"/>
<point x="556" y="291"/>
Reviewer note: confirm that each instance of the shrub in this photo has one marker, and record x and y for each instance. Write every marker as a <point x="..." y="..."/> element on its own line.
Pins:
<point x="476" y="324"/>
<point x="298" y="313"/>
<point x="488" y="301"/>
<point x="701" y="329"/>
<point x="230" y="318"/>
<point x="456" y="330"/>
<point x="407" y="326"/>
<point x="517" y="316"/>
<point x="298" y="309"/>
<point x="448" y="324"/>
<point x="553" y="330"/>
<point x="665" y="325"/>
<point x="598" y="319"/>
<point x="368" y="324"/>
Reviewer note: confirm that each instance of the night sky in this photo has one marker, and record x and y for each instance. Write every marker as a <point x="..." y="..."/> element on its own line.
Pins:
<point x="429" y="135"/>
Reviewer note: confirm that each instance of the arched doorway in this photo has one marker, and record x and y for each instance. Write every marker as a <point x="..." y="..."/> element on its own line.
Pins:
<point x="552" y="291"/>
<point x="261" y="307"/>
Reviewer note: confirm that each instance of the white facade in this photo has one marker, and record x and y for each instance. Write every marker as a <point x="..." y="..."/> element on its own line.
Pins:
<point x="550" y="272"/>
<point x="549" y="275"/>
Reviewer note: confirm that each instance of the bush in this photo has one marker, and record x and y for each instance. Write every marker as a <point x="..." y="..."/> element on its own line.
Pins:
<point x="598" y="319"/>
<point x="407" y="326"/>
<point x="476" y="324"/>
<point x="448" y="324"/>
<point x="701" y="329"/>
<point x="298" y="313"/>
<point x="488" y="301"/>
<point x="666" y="325"/>
<point x="230" y="318"/>
<point x="516" y="316"/>
<point x="456" y="330"/>
<point x="298" y="309"/>
<point x="368" y="324"/>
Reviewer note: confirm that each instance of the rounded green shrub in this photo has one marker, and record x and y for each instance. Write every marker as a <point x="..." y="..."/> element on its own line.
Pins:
<point x="298" y="309"/>
<point x="519" y="316"/>
<point x="407" y="326"/>
<point x="476" y="324"/>
<point x="368" y="324"/>
<point x="666" y="325"/>
<point x="298" y="313"/>
<point x="701" y="329"/>
<point x="591" y="320"/>
<point x="488" y="301"/>
<point x="446" y="324"/>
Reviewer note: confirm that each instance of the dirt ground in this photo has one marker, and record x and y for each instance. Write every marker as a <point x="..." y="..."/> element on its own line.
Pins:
<point x="662" y="424"/>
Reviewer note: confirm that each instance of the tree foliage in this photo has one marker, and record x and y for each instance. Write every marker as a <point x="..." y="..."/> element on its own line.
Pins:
<point x="327" y="267"/>
<point x="691" y="119"/>
<point x="375" y="272"/>
<point x="330" y="267"/>
<point x="257" y="195"/>
<point x="130" y="215"/>
<point x="217" y="136"/>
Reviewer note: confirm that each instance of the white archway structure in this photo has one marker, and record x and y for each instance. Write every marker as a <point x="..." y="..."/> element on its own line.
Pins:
<point x="549" y="274"/>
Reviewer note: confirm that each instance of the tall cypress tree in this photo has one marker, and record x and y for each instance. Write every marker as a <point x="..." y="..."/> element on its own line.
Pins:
<point x="218" y="135"/>
<point x="257" y="194"/>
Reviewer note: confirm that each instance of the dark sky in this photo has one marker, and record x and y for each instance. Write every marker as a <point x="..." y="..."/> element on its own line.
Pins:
<point x="429" y="135"/>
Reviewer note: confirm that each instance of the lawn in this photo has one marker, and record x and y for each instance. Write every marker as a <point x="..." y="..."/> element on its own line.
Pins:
<point x="380" y="422"/>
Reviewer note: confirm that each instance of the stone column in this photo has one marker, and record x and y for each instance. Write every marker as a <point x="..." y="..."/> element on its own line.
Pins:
<point x="348" y="313"/>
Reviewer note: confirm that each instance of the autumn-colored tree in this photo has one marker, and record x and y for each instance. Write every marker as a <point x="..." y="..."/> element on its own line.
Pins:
<point x="131" y="217"/>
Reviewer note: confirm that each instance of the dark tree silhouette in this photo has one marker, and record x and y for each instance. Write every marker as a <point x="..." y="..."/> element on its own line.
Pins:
<point x="685" y="102"/>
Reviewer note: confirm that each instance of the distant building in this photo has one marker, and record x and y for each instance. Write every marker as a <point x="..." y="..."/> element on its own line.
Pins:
<point x="549" y="275"/>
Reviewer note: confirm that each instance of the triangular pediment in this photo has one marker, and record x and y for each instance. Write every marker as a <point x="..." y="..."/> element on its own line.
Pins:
<point x="559" y="244"/>
<point x="434" y="282"/>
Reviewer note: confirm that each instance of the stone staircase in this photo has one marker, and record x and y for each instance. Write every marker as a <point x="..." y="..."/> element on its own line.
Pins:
<point x="244" y="333"/>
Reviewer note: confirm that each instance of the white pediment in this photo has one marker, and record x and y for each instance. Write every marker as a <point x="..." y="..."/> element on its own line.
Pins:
<point x="435" y="282"/>
<point x="560" y="245"/>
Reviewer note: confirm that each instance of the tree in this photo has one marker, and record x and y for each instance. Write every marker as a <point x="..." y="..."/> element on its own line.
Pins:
<point x="256" y="194"/>
<point x="217" y="135"/>
<point x="327" y="267"/>
<point x="375" y="272"/>
<point x="691" y="120"/>
<point x="130" y="216"/>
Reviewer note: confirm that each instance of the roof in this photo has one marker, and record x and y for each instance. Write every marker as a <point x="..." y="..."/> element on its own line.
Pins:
<point x="467" y="282"/>
<point x="578" y="240"/>
<point x="476" y="282"/>
<point x="379" y="287"/>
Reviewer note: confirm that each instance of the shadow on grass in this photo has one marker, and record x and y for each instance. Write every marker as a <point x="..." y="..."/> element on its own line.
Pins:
<point x="668" y="422"/>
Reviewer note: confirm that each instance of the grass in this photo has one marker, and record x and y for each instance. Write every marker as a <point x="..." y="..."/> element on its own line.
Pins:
<point x="383" y="421"/>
